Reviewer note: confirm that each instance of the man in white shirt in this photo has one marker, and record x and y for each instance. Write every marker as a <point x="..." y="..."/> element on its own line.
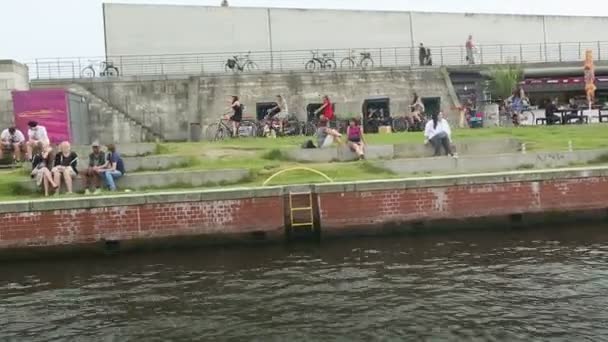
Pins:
<point x="12" y="140"/>
<point x="36" y="135"/>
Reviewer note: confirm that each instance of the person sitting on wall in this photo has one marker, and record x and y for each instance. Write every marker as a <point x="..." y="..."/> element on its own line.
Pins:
<point x="13" y="141"/>
<point x="325" y="134"/>
<point x="356" y="139"/>
<point x="439" y="134"/>
<point x="66" y="167"/>
<point x="113" y="169"/>
<point x="97" y="160"/>
<point x="36" y="134"/>
<point x="42" y="163"/>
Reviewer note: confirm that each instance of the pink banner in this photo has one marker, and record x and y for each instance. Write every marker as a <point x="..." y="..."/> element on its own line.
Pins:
<point x="48" y="107"/>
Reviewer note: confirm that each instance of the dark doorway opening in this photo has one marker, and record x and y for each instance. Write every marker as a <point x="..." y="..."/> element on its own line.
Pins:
<point x="261" y="109"/>
<point x="376" y="113"/>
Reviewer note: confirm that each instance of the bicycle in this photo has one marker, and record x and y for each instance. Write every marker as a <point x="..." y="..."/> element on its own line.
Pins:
<point x="247" y="128"/>
<point x="365" y="61"/>
<point x="400" y="124"/>
<point x="290" y="126"/>
<point x="241" y="64"/>
<point x="107" y="69"/>
<point x="324" y="62"/>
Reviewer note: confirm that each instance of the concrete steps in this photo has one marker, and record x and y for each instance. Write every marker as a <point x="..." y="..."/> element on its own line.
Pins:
<point x="113" y="124"/>
<point x="491" y="163"/>
<point x="163" y="180"/>
<point x="406" y="150"/>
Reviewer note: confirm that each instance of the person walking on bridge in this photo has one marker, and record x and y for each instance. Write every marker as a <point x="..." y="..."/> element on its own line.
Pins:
<point x="470" y="46"/>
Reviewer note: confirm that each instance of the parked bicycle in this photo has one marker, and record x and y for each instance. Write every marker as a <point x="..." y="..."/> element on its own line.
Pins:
<point x="107" y="69"/>
<point x="224" y="130"/>
<point x="365" y="61"/>
<point x="237" y="63"/>
<point x="325" y="62"/>
<point x="281" y="127"/>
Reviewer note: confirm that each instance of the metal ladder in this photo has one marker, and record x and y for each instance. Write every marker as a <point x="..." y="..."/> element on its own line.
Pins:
<point x="301" y="221"/>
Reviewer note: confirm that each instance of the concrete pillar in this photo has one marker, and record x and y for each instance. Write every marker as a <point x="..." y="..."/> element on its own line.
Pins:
<point x="13" y="76"/>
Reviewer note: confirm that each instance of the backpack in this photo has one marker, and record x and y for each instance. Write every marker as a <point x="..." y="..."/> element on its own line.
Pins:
<point x="309" y="144"/>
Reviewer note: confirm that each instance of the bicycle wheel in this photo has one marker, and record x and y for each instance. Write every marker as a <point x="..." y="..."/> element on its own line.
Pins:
<point x="227" y="68"/>
<point x="347" y="63"/>
<point x="330" y="64"/>
<point x="310" y="129"/>
<point x="88" y="72"/>
<point x="220" y="134"/>
<point x="399" y="125"/>
<point x="367" y="63"/>
<point x="112" y="71"/>
<point x="310" y="65"/>
<point x="251" y="66"/>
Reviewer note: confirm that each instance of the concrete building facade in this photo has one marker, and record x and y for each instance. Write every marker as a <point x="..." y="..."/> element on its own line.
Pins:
<point x="172" y="29"/>
<point x="13" y="76"/>
<point x="169" y="105"/>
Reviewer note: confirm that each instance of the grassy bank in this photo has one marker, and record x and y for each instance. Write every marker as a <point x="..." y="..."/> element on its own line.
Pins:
<point x="263" y="156"/>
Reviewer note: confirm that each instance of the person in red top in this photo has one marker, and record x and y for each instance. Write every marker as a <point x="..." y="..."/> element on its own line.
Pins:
<point x="325" y="134"/>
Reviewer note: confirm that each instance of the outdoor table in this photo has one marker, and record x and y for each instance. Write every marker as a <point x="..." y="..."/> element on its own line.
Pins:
<point x="563" y="112"/>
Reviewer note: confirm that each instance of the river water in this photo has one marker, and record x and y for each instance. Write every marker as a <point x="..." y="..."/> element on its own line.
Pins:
<point x="518" y="285"/>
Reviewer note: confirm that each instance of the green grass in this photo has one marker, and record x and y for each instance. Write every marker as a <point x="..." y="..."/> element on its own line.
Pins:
<point x="264" y="157"/>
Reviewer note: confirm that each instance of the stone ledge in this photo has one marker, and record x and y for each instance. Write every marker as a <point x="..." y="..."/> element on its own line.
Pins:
<point x="262" y="192"/>
<point x="406" y="150"/>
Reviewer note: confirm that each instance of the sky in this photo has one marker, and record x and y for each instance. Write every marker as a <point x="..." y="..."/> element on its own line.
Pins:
<point x="73" y="28"/>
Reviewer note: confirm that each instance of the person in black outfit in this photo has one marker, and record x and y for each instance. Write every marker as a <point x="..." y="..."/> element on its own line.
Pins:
<point x="66" y="167"/>
<point x="422" y="55"/>
<point x="550" y="110"/>
<point x="237" y="115"/>
<point x="428" y="59"/>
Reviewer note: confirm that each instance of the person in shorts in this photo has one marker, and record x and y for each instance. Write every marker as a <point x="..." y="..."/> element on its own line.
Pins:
<point x="13" y="141"/>
<point x="66" y="167"/>
<point x="42" y="163"/>
<point x="97" y="161"/>
<point x="278" y="112"/>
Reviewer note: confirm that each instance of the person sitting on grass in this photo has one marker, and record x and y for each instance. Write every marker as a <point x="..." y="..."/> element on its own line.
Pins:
<point x="113" y="169"/>
<point x="97" y="160"/>
<point x="439" y="134"/>
<point x="42" y="163"/>
<point x="356" y="140"/>
<point x="13" y="141"/>
<point x="36" y="134"/>
<point x="66" y="167"/>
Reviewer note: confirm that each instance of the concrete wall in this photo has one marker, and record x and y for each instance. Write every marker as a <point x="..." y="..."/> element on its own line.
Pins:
<point x="151" y="29"/>
<point x="13" y="76"/>
<point x="169" y="105"/>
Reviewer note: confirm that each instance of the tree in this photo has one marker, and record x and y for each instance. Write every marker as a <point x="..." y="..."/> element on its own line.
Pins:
<point x="505" y="79"/>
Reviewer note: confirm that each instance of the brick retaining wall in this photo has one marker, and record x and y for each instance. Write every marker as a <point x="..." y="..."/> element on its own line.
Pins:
<point x="342" y="206"/>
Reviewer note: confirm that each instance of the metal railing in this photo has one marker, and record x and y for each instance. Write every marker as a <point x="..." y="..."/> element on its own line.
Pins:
<point x="279" y="61"/>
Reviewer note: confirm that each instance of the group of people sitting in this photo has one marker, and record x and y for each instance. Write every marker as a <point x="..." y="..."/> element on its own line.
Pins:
<point x="51" y="169"/>
<point x="437" y="131"/>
